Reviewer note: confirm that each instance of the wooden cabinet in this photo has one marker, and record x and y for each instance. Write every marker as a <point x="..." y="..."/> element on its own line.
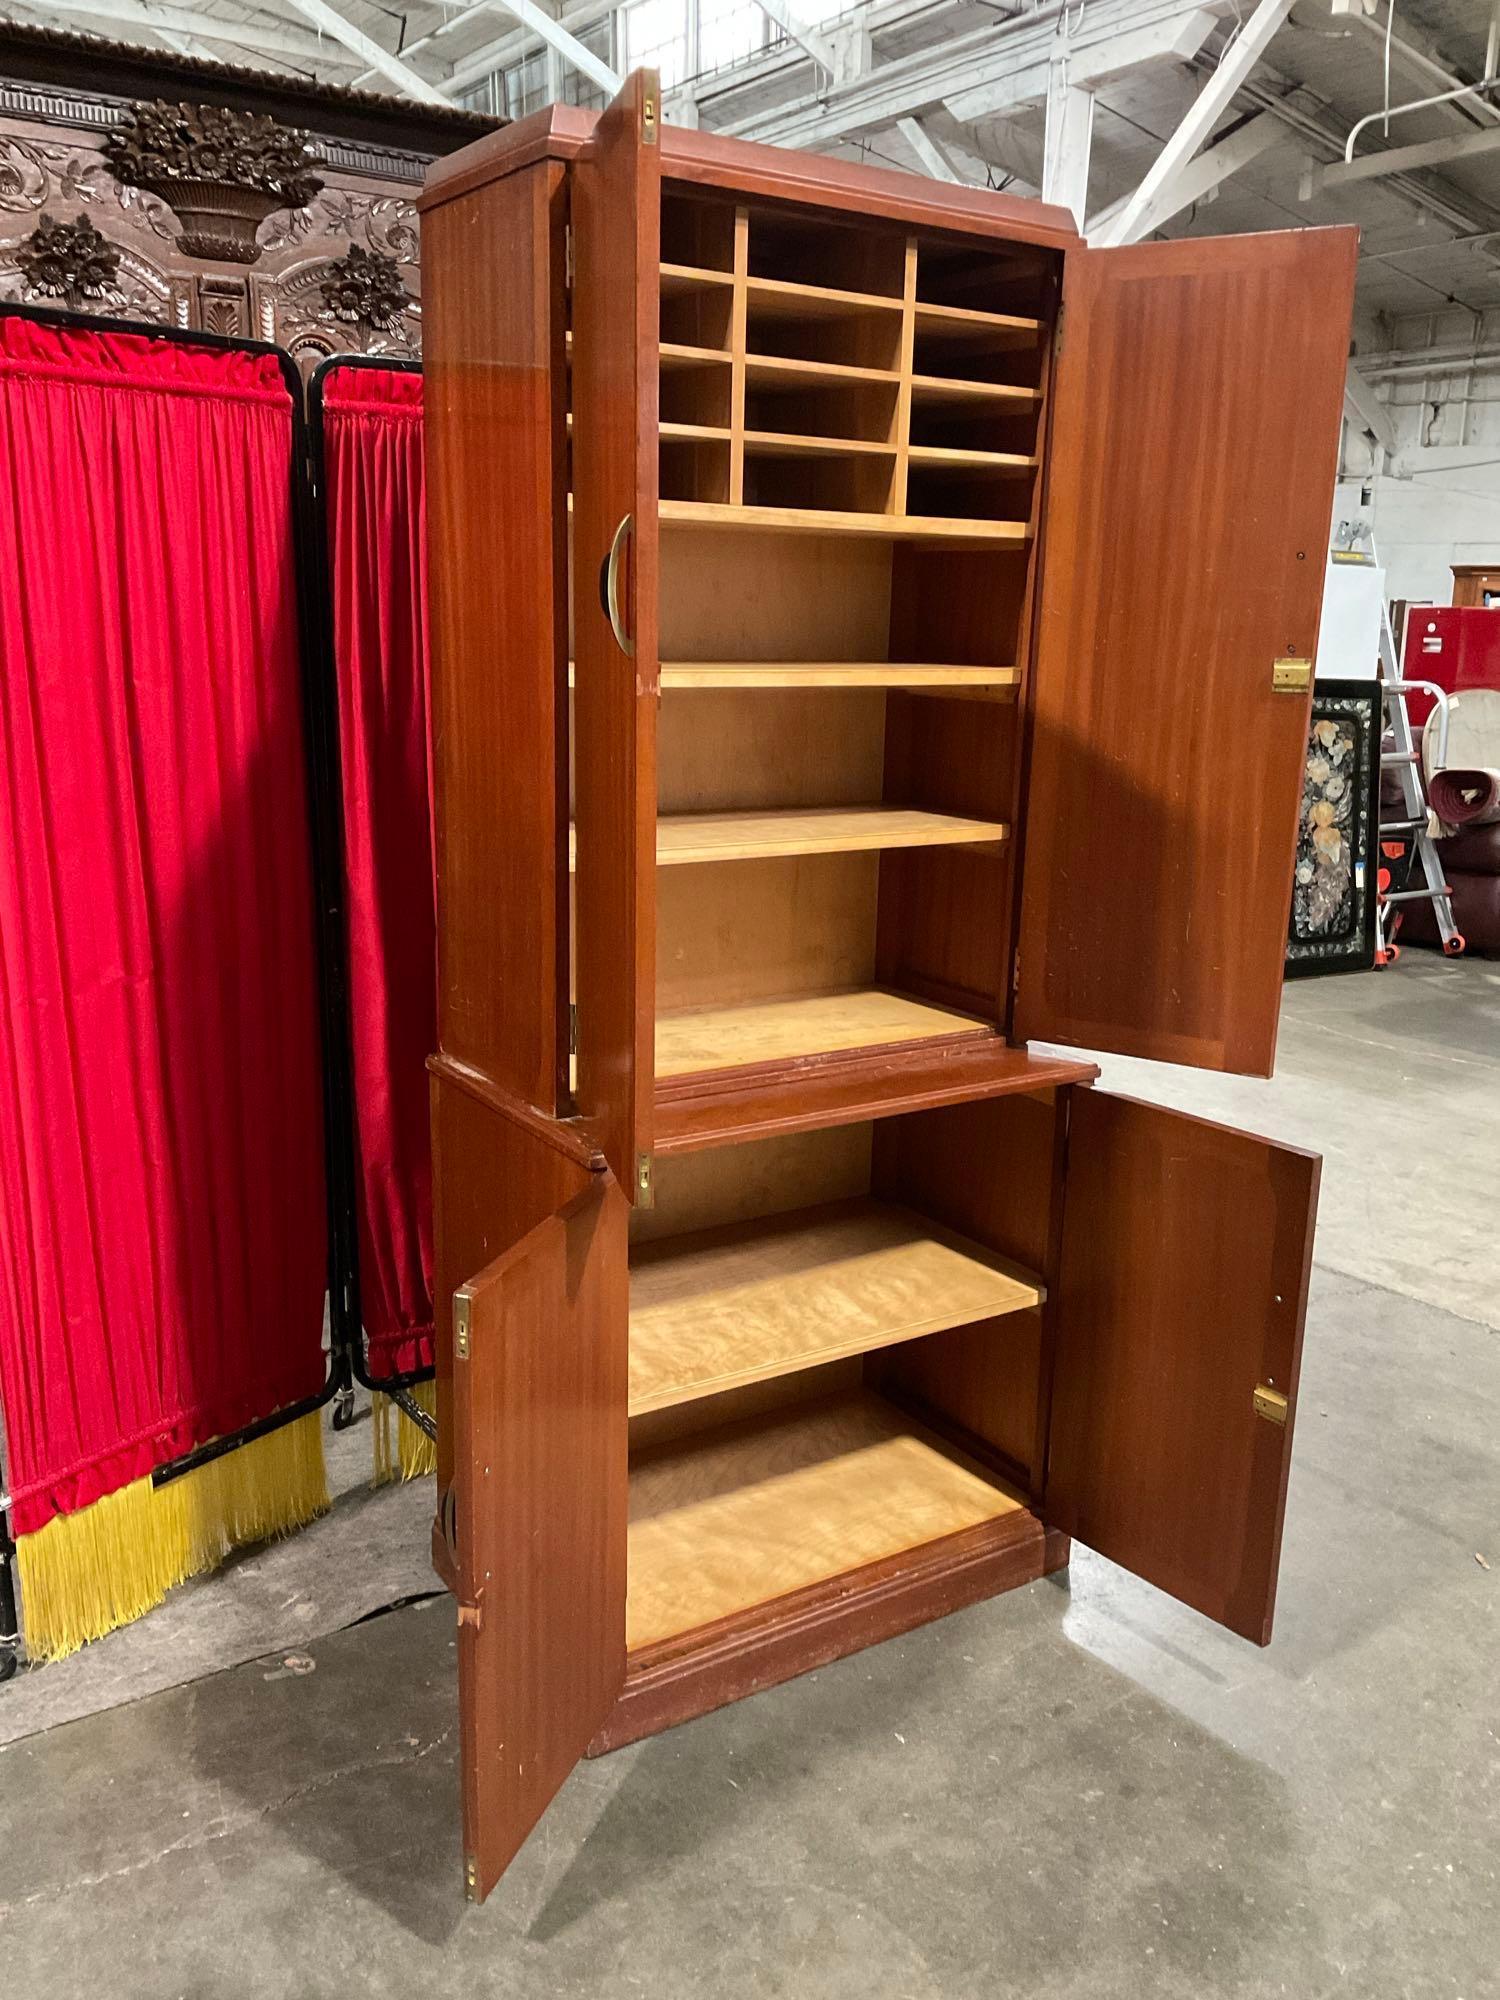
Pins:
<point x="868" y="628"/>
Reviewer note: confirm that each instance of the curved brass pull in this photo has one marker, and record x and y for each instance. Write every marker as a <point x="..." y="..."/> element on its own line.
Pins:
<point x="612" y="588"/>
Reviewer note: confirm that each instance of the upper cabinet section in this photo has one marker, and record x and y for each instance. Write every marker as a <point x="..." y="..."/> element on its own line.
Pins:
<point x="1191" y="469"/>
<point x="837" y="377"/>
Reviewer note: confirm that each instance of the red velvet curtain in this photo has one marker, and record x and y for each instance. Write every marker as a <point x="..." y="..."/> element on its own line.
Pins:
<point x="162" y="1193"/>
<point x="376" y="510"/>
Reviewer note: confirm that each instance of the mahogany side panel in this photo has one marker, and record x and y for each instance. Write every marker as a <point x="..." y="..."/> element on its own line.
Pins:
<point x="533" y="1462"/>
<point x="1186" y="1254"/>
<point x="1195" y="423"/>
<point x="616" y="220"/>
<point x="495" y="412"/>
<point x="679" y="1679"/>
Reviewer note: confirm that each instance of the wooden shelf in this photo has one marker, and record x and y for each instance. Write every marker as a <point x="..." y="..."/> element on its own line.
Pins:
<point x="677" y="279"/>
<point x="953" y="389"/>
<point x="673" y="433"/>
<point x="781" y="1031"/>
<point x="957" y="533"/>
<point x="795" y="444"/>
<point x="753" y="836"/>
<point x="776" y="371"/>
<point x="720" y="1308"/>
<point x="728" y="1520"/>
<point x="964" y="323"/>
<point x="995" y="681"/>
<point x="777" y="298"/>
<point x="961" y="459"/>
<point x="683" y="839"/>
<point x="718" y="1109"/>
<point x="677" y="354"/>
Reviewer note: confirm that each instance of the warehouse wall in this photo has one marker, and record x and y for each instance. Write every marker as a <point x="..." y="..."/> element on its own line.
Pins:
<point x="1440" y="506"/>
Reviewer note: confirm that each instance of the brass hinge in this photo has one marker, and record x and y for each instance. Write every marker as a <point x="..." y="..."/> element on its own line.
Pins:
<point x="461" y="1304"/>
<point x="1270" y="1403"/>
<point x="568" y="256"/>
<point x="471" y="1878"/>
<point x="572" y="1028"/>
<point x="1015" y="973"/>
<point x="648" y="120"/>
<point x="1291" y="676"/>
<point x="645" y="1189"/>
<point x="1057" y="335"/>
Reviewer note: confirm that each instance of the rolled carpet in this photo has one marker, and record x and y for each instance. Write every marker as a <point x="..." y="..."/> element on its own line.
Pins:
<point x="1465" y="797"/>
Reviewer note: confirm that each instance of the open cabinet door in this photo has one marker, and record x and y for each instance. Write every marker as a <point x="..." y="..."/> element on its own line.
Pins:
<point x="616" y="224"/>
<point x="1195" y="434"/>
<point x="1182" y="1289"/>
<point x="531" y="1529"/>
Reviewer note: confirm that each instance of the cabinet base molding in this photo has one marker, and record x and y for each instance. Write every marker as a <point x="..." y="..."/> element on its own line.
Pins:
<point x="682" y="1678"/>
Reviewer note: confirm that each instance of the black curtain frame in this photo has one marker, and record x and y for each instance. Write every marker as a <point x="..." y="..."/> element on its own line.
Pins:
<point x="325" y="831"/>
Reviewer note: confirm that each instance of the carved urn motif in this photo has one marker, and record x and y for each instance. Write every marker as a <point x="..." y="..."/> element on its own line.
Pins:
<point x="221" y="172"/>
<point x="70" y="261"/>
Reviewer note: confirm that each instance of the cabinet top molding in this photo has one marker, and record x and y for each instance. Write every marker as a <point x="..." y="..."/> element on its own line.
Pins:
<point x="560" y="132"/>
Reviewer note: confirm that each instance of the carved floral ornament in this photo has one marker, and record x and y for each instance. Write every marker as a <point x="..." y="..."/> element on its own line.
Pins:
<point x="68" y="260"/>
<point x="220" y="171"/>
<point x="365" y="288"/>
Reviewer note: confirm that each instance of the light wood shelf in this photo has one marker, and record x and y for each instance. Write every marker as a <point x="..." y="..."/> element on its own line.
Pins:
<point x="997" y="681"/>
<point x="678" y="279"/>
<point x="967" y="323"/>
<point x="722" y="1522"/>
<point x="979" y="461"/>
<point x="776" y="371"/>
<point x="954" y="389"/>
<point x="674" y="433"/>
<point x="770" y="1031"/>
<point x="779" y="298"/>
<point x="797" y="444"/>
<point x="721" y="1308"/>
<point x="678" y="354"/>
<point x="683" y="838"/>
<point x="955" y="533"/>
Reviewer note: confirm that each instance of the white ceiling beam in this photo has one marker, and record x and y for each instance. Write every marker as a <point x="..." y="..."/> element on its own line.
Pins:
<point x="1009" y="56"/>
<point x="1366" y="411"/>
<point x="1203" y="176"/>
<point x="933" y="158"/>
<point x="1414" y="54"/>
<point x="1176" y="37"/>
<point x="1401" y="160"/>
<point x="1235" y="64"/>
<point x="259" y="33"/>
<point x="797" y="30"/>
<point x="1068" y="144"/>
<point x="553" y="33"/>
<point x="356" y="40"/>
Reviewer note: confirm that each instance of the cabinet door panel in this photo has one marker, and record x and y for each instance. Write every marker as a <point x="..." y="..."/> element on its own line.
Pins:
<point x="1182" y="1289"/>
<point x="616" y="223"/>
<point x="531" y="1526"/>
<point x="1197" y="402"/>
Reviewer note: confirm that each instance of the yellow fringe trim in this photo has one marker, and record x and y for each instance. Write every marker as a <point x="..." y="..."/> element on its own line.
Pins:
<point x="410" y="1453"/>
<point x="84" y="1574"/>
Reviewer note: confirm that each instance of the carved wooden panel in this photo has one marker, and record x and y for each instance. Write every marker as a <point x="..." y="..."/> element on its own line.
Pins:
<point x="303" y="291"/>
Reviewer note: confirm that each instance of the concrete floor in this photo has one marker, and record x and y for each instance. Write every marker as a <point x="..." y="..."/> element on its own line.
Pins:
<point x="1076" y="1790"/>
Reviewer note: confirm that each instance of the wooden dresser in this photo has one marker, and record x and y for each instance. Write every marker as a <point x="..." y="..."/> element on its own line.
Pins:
<point x="870" y="631"/>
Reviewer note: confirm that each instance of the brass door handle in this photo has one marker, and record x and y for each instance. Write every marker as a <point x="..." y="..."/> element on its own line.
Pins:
<point x="609" y="587"/>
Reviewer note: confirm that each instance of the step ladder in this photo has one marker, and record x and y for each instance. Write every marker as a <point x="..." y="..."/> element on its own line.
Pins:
<point x="1405" y="759"/>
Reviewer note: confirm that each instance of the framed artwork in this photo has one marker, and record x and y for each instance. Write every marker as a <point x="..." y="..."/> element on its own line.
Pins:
<point x="1333" y="892"/>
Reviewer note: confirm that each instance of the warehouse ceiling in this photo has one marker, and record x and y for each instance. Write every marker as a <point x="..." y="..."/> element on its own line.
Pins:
<point x="960" y="87"/>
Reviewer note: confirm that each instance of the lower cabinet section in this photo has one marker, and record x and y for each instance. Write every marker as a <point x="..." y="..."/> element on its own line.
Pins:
<point x="834" y="1383"/>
